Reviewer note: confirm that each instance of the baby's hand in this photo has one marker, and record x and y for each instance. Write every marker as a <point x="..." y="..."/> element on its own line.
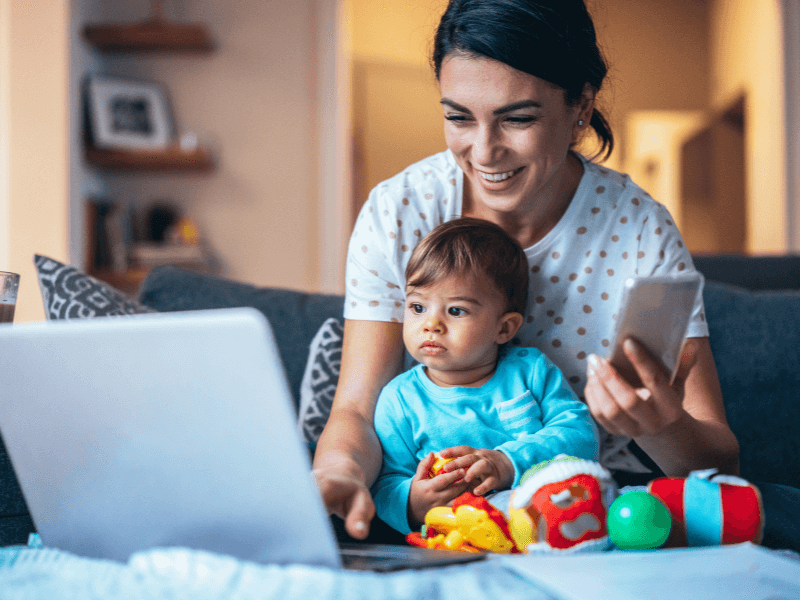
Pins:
<point x="486" y="470"/>
<point x="428" y="492"/>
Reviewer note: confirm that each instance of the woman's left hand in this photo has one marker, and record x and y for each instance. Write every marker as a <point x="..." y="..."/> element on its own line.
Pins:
<point x="622" y="409"/>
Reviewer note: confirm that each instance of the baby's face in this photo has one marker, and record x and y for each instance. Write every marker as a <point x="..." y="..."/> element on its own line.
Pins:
<point x="454" y="327"/>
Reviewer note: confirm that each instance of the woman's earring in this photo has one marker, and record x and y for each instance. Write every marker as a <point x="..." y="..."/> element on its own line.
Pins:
<point x="580" y="123"/>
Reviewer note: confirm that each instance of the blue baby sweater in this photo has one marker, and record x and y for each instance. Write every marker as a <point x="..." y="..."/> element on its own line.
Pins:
<point x="526" y="410"/>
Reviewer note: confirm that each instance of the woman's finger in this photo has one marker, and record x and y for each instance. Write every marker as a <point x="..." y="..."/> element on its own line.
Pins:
<point x="610" y="398"/>
<point x="666" y="400"/>
<point x="650" y="371"/>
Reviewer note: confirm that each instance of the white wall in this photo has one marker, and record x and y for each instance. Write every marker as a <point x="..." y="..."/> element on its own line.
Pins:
<point x="256" y="102"/>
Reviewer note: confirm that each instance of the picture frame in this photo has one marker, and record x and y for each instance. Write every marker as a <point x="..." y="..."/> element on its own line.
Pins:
<point x="126" y="114"/>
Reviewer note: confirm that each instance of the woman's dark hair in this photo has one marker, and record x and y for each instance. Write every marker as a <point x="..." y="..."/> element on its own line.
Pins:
<point x="553" y="40"/>
<point x="469" y="245"/>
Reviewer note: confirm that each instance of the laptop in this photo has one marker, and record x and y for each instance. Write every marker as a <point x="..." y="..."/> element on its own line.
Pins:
<point x="169" y="430"/>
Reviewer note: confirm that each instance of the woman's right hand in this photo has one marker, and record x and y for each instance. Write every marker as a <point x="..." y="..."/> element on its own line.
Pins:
<point x="348" y="457"/>
<point x="347" y="496"/>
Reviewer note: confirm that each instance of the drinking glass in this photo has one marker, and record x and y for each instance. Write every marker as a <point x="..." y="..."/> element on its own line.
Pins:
<point x="9" y="284"/>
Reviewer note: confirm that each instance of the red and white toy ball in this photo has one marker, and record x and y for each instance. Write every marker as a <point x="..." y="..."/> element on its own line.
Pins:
<point x="708" y="509"/>
<point x="562" y="504"/>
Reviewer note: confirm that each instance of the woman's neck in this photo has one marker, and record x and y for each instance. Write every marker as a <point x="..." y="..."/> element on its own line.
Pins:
<point x="540" y="215"/>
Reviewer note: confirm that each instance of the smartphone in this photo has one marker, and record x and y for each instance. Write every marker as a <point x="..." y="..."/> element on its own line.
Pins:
<point x="656" y="311"/>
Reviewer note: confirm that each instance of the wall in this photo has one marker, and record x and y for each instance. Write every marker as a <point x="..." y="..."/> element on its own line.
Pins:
<point x="658" y="58"/>
<point x="254" y="101"/>
<point x="396" y="116"/>
<point x="34" y="155"/>
<point x="748" y="60"/>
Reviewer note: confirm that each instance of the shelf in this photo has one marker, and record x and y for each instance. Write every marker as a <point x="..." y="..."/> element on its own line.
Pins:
<point x="171" y="159"/>
<point x="154" y="37"/>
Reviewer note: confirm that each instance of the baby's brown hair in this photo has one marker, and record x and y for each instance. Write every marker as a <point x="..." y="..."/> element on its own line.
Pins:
<point x="472" y="245"/>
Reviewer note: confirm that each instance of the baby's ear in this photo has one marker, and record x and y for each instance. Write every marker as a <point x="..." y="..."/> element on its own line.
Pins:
<point x="510" y="323"/>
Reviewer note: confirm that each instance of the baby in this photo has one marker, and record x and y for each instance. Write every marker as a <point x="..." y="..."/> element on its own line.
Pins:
<point x="492" y="408"/>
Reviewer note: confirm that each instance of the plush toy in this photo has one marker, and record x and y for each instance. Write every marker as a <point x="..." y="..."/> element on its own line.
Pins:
<point x="708" y="509"/>
<point x="562" y="504"/>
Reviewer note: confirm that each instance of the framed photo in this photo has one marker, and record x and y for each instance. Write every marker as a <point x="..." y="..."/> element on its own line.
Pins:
<point x="128" y="114"/>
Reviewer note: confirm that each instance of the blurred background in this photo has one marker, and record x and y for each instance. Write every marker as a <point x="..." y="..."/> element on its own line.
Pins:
<point x="302" y="107"/>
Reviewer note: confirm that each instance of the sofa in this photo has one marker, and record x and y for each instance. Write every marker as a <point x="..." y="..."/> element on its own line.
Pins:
<point x="752" y="308"/>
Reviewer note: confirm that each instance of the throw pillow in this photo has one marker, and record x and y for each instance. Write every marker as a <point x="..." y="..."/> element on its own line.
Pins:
<point x="319" y="380"/>
<point x="68" y="293"/>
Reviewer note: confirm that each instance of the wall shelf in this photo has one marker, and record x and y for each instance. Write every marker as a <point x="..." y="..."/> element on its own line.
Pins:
<point x="153" y="36"/>
<point x="171" y="159"/>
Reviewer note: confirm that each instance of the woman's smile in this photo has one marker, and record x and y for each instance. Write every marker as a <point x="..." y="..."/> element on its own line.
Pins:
<point x="498" y="177"/>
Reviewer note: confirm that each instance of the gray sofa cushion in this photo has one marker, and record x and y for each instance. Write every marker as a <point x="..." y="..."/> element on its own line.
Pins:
<point x="67" y="293"/>
<point x="755" y="338"/>
<point x="295" y="316"/>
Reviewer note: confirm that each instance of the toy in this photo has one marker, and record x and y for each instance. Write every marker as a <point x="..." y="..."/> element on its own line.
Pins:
<point x="472" y="524"/>
<point x="437" y="465"/>
<point x="637" y="520"/>
<point x="708" y="509"/>
<point x="568" y="504"/>
<point x="561" y="504"/>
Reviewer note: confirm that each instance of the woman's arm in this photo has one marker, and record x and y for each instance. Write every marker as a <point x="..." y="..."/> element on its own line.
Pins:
<point x="348" y="456"/>
<point x="682" y="427"/>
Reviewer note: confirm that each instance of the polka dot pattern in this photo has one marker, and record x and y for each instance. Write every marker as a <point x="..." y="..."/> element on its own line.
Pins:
<point x="611" y="231"/>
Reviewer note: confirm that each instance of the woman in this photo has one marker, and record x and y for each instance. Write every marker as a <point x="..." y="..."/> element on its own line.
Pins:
<point x="518" y="82"/>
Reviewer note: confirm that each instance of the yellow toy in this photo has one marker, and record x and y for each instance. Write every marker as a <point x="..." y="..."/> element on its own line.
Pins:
<point x="437" y="465"/>
<point x="472" y="524"/>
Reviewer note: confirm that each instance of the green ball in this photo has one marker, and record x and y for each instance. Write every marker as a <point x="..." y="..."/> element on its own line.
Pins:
<point x="638" y="520"/>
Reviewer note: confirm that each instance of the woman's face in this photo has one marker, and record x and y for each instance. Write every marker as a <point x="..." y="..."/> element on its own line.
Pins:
<point x="509" y="131"/>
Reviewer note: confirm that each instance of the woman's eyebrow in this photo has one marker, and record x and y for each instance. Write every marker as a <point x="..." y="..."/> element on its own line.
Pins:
<point x="499" y="111"/>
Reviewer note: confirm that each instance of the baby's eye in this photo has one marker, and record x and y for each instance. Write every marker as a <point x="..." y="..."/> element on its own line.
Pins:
<point x="456" y="311"/>
<point x="417" y="309"/>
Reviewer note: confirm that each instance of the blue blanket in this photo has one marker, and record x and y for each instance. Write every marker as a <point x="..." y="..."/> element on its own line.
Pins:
<point x="176" y="573"/>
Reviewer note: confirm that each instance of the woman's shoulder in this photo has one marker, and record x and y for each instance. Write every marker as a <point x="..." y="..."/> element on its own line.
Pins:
<point x="610" y="193"/>
<point x="432" y="178"/>
<point x="616" y="185"/>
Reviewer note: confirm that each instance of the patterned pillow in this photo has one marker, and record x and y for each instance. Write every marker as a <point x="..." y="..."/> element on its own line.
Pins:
<point x="69" y="294"/>
<point x="319" y="380"/>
